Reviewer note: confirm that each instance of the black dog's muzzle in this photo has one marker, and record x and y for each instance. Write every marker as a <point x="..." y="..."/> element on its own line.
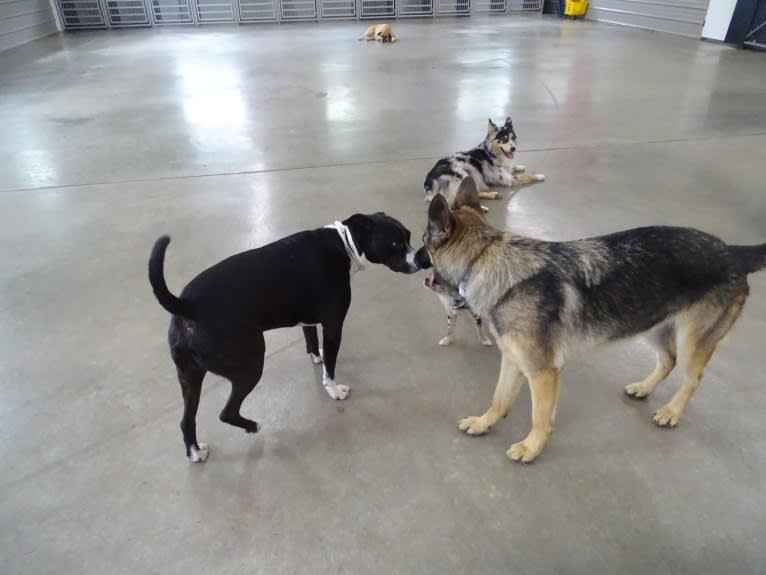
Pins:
<point x="422" y="259"/>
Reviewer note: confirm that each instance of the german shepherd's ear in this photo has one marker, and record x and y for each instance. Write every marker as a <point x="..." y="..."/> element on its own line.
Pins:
<point x="491" y="128"/>
<point x="467" y="195"/>
<point x="439" y="216"/>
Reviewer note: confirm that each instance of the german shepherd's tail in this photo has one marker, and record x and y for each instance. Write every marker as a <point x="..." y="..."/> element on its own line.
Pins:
<point x="173" y="304"/>
<point x="751" y="258"/>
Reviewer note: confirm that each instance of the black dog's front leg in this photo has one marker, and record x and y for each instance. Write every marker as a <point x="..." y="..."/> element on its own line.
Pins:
<point x="331" y="336"/>
<point x="312" y="343"/>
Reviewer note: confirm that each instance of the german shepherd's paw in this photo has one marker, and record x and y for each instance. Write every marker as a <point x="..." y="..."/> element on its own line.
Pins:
<point x="198" y="455"/>
<point x="666" y="416"/>
<point x="474" y="425"/>
<point x="637" y="390"/>
<point x="522" y="452"/>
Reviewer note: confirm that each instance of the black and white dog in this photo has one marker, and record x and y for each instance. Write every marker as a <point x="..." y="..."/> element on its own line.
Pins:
<point x="490" y="164"/>
<point x="219" y="318"/>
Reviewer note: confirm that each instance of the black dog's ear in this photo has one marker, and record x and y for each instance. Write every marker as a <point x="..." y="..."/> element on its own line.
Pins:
<point x="359" y="222"/>
<point x="439" y="216"/>
<point x="491" y="128"/>
<point x="467" y="195"/>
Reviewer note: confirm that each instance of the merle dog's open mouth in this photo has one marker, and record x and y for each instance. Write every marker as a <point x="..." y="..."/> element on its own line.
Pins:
<point x="431" y="280"/>
<point x="508" y="154"/>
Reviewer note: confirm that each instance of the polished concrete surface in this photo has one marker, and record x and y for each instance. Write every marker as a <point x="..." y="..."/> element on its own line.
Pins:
<point x="227" y="138"/>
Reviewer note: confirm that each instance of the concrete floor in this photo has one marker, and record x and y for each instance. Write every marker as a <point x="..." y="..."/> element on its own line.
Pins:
<point x="227" y="138"/>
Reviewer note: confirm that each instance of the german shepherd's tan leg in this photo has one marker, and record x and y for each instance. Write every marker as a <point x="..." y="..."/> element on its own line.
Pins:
<point x="663" y="340"/>
<point x="544" y="386"/>
<point x="508" y="386"/>
<point x="703" y="330"/>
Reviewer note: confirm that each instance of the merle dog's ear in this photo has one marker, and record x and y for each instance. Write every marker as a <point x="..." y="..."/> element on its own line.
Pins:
<point x="467" y="195"/>
<point x="509" y="123"/>
<point x="491" y="128"/>
<point x="439" y="216"/>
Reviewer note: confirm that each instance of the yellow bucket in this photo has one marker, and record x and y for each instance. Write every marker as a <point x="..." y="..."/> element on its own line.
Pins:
<point x="576" y="7"/>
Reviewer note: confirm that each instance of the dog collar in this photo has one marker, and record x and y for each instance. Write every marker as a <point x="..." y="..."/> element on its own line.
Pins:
<point x="357" y="260"/>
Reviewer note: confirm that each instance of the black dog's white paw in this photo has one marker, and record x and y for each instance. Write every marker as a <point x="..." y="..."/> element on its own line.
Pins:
<point x="337" y="390"/>
<point x="198" y="455"/>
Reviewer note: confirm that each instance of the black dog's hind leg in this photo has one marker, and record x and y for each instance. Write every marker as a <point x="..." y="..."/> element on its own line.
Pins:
<point x="481" y="332"/>
<point x="242" y="383"/>
<point x="190" y="376"/>
<point x="312" y="343"/>
<point x="331" y="336"/>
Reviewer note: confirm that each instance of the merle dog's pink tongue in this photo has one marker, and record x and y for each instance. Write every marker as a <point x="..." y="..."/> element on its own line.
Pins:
<point x="431" y="279"/>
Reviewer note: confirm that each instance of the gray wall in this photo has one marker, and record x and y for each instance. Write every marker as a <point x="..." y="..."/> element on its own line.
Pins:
<point x="24" y="20"/>
<point x="684" y="17"/>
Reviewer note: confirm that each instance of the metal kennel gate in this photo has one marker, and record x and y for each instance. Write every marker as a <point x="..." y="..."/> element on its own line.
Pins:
<point x="338" y="9"/>
<point x="171" y="12"/>
<point x="488" y="6"/>
<point x="416" y="8"/>
<point x="296" y="10"/>
<point x="257" y="11"/>
<point x="525" y="5"/>
<point x="214" y="11"/>
<point x="84" y="14"/>
<point x="81" y="14"/>
<point x="756" y="36"/>
<point x="453" y="7"/>
<point x="127" y="13"/>
<point x="377" y="8"/>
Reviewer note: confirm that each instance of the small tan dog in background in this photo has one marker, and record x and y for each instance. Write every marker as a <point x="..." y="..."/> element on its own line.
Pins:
<point x="380" y="33"/>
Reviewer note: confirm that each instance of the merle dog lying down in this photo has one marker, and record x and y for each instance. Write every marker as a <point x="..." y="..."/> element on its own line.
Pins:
<point x="219" y="318"/>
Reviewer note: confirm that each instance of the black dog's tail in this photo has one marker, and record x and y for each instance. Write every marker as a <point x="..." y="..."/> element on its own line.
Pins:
<point x="167" y="300"/>
<point x="751" y="258"/>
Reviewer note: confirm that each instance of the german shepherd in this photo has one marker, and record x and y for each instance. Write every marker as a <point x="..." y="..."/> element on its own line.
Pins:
<point x="490" y="164"/>
<point x="380" y="33"/>
<point x="680" y="288"/>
